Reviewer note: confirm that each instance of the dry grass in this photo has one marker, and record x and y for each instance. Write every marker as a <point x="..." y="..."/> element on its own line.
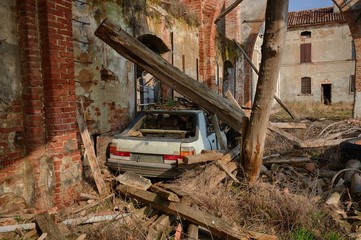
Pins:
<point x="263" y="208"/>
<point x="335" y="111"/>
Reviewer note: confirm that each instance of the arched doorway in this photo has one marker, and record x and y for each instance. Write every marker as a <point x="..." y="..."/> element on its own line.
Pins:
<point x="148" y="88"/>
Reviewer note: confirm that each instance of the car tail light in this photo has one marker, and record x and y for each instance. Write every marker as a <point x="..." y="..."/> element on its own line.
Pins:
<point x="172" y="158"/>
<point x="113" y="150"/>
<point x="187" y="151"/>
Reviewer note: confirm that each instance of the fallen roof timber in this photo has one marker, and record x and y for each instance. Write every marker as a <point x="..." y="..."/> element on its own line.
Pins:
<point x="216" y="225"/>
<point x="135" y="51"/>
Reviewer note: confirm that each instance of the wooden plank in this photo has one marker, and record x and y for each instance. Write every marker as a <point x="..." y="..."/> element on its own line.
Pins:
<point x="216" y="225"/>
<point x="29" y="234"/>
<point x="228" y="171"/>
<point x="47" y="225"/>
<point x="43" y="236"/>
<point x="289" y="125"/>
<point x="135" y="180"/>
<point x="159" y="227"/>
<point x="167" y="195"/>
<point x="218" y="174"/>
<point x="203" y="157"/>
<point x="90" y="152"/>
<point x="92" y="204"/>
<point x="12" y="228"/>
<point x="291" y="160"/>
<point x="136" y="52"/>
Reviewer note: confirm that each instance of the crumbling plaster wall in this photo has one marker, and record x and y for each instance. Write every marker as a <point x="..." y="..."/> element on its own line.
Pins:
<point x="39" y="157"/>
<point x="352" y="10"/>
<point x="109" y="99"/>
<point x="332" y="63"/>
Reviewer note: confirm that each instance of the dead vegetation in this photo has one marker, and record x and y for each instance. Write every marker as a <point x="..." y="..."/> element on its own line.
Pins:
<point x="289" y="201"/>
<point x="312" y="111"/>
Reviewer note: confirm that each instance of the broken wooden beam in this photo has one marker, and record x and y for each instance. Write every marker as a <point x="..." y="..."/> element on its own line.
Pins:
<point x="290" y="160"/>
<point x="47" y="225"/>
<point x="227" y="10"/>
<point x="203" y="157"/>
<point x="167" y="195"/>
<point x="228" y="171"/>
<point x="216" y="225"/>
<point x="90" y="152"/>
<point x="133" y="50"/>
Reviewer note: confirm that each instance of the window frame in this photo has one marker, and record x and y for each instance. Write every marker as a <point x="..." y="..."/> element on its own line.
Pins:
<point x="306" y="86"/>
<point x="305" y="53"/>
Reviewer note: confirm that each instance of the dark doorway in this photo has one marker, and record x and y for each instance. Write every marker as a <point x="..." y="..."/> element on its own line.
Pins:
<point x="228" y="78"/>
<point x="326" y="93"/>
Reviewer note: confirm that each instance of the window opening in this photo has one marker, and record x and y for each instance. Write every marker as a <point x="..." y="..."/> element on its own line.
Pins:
<point x="306" y="34"/>
<point x="306" y="85"/>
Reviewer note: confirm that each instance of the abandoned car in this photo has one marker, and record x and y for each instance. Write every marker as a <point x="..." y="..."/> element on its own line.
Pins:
<point x="157" y="140"/>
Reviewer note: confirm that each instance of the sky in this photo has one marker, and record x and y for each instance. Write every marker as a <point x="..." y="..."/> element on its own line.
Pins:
<point x="297" y="5"/>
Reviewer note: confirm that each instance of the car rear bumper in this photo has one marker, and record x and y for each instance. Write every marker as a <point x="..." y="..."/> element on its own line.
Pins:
<point x="146" y="169"/>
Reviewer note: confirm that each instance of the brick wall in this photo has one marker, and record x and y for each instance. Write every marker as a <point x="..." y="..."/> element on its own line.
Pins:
<point x="46" y="170"/>
<point x="207" y="11"/>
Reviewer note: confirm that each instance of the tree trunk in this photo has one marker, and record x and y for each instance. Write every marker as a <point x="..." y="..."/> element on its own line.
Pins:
<point x="272" y="48"/>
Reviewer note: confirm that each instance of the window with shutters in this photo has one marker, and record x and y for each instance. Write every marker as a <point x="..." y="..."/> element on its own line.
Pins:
<point x="306" y="85"/>
<point x="305" y="52"/>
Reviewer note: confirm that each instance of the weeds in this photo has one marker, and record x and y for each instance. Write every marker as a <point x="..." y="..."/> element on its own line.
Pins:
<point x="337" y="111"/>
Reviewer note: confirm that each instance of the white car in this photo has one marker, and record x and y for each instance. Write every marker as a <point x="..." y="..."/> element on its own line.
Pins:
<point x="157" y="140"/>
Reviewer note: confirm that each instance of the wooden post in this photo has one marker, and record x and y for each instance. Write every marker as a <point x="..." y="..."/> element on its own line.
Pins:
<point x="135" y="51"/>
<point x="272" y="48"/>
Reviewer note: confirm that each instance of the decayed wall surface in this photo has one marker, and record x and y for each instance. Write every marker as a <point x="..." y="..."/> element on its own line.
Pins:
<point x="253" y="14"/>
<point x="40" y="160"/>
<point x="352" y="10"/>
<point x="331" y="63"/>
<point x="51" y="63"/>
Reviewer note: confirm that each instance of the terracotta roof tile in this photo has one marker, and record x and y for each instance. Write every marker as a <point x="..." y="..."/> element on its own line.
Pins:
<point x="314" y="17"/>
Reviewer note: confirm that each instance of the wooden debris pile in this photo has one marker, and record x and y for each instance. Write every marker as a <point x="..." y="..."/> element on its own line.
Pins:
<point x="153" y="211"/>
